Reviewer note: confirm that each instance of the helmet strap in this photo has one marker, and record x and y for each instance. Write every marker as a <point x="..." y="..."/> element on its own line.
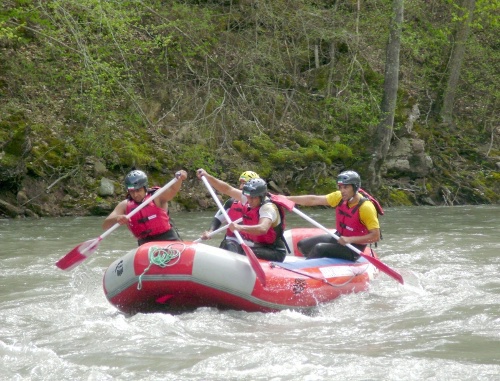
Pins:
<point x="354" y="195"/>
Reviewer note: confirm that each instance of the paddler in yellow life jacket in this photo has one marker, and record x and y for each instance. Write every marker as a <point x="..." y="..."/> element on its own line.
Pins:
<point x="152" y="223"/>
<point x="263" y="221"/>
<point x="356" y="220"/>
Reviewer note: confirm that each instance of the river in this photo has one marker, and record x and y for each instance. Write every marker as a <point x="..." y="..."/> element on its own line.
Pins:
<point x="58" y="325"/>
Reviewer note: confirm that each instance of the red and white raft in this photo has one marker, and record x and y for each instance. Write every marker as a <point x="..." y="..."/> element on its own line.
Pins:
<point x="182" y="276"/>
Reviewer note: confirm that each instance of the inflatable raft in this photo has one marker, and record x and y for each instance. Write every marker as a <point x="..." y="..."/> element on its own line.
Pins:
<point x="182" y="276"/>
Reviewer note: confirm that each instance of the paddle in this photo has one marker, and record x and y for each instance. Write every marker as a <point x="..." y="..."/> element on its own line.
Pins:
<point x="274" y="264"/>
<point x="219" y="229"/>
<point x="254" y="262"/>
<point x="290" y="205"/>
<point x="87" y="248"/>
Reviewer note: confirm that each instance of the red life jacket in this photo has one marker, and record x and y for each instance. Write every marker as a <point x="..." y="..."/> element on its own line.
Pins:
<point x="348" y="222"/>
<point x="150" y="220"/>
<point x="251" y="217"/>
<point x="236" y="211"/>
<point x="375" y="202"/>
<point x="377" y="205"/>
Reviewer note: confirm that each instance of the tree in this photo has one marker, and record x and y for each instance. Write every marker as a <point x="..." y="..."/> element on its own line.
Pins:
<point x="383" y="132"/>
<point x="456" y="59"/>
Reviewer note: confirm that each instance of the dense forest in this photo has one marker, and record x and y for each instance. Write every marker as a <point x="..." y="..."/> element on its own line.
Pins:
<point x="405" y="92"/>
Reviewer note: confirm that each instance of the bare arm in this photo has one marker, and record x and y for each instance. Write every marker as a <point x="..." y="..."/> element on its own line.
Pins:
<point x="172" y="191"/>
<point x="118" y="215"/>
<point x="262" y="227"/>
<point x="309" y="200"/>
<point x="220" y="185"/>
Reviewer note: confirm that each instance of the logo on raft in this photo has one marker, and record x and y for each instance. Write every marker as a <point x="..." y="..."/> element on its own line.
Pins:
<point x="119" y="268"/>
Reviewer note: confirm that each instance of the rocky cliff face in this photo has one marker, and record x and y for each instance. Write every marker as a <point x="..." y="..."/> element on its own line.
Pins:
<point x="407" y="157"/>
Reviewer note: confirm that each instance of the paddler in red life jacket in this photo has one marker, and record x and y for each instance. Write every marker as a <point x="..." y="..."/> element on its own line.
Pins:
<point x="356" y="220"/>
<point x="262" y="226"/>
<point x="234" y="209"/>
<point x="151" y="223"/>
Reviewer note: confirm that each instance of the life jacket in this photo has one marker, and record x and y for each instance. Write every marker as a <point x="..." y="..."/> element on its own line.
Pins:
<point x="150" y="220"/>
<point x="351" y="213"/>
<point x="378" y="207"/>
<point x="348" y="221"/>
<point x="281" y="208"/>
<point x="375" y="202"/>
<point x="236" y="211"/>
<point x="251" y="217"/>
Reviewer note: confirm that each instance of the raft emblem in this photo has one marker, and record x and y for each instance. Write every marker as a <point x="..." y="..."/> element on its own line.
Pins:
<point x="119" y="268"/>
<point x="299" y="286"/>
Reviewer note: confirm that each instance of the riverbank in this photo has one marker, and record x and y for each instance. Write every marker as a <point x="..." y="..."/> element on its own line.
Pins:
<point x="71" y="197"/>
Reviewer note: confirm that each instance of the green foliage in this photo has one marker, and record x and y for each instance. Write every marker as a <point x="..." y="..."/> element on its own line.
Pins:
<point x="12" y="34"/>
<point x="486" y="14"/>
<point x="199" y="156"/>
<point x="493" y="179"/>
<point x="339" y="152"/>
<point x="351" y="118"/>
<point x="312" y="153"/>
<point x="13" y="138"/>
<point x="209" y="84"/>
<point x="8" y="160"/>
<point x="261" y="148"/>
<point x="284" y="157"/>
<point x="250" y="153"/>
<point x="301" y="138"/>
<point x="262" y="142"/>
<point x="399" y="198"/>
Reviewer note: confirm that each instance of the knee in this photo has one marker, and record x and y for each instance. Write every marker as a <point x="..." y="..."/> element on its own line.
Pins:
<point x="302" y="246"/>
<point x="319" y="250"/>
<point x="230" y="245"/>
<point x="280" y="256"/>
<point x="314" y="253"/>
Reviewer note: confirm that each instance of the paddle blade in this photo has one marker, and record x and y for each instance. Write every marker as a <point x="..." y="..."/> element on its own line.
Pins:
<point x="254" y="262"/>
<point x="283" y="201"/>
<point x="78" y="254"/>
<point x="384" y="268"/>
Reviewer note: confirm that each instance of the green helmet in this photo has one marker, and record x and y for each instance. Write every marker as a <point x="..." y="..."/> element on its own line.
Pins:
<point x="349" y="177"/>
<point x="255" y="188"/>
<point x="249" y="175"/>
<point x="136" y="180"/>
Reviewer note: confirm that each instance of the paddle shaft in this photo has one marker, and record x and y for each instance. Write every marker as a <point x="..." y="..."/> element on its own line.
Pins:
<point x="323" y="280"/>
<point x="219" y="229"/>
<point x="221" y="208"/>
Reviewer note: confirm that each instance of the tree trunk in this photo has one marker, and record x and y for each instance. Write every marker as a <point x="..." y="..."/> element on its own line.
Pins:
<point x="456" y="59"/>
<point x="383" y="133"/>
<point x="331" y="71"/>
<point x="316" y="54"/>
